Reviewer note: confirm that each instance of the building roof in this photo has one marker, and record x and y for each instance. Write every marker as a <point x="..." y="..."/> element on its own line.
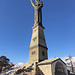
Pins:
<point x="49" y="61"/>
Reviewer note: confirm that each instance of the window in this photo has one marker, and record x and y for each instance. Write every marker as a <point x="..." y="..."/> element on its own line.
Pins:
<point x="43" y="53"/>
<point x="33" y="52"/>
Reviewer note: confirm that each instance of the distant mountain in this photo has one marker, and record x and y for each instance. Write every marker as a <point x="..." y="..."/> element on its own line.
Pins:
<point x="68" y="63"/>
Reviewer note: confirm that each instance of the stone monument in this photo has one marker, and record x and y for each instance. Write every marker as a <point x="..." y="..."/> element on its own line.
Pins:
<point x="38" y="63"/>
<point x="38" y="48"/>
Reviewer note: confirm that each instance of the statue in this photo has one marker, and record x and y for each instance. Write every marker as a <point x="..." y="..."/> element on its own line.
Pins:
<point x="38" y="12"/>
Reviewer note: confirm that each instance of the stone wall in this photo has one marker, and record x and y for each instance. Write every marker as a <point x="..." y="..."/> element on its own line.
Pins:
<point x="45" y="69"/>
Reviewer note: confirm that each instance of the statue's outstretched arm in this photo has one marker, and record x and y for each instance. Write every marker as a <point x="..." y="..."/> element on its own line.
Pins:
<point x="32" y="3"/>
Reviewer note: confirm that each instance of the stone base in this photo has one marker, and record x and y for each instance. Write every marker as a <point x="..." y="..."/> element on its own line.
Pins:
<point x="46" y="67"/>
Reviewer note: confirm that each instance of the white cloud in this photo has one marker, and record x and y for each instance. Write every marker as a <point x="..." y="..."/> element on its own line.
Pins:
<point x="20" y="64"/>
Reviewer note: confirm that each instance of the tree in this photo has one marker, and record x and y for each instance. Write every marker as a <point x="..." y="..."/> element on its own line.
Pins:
<point x="69" y="58"/>
<point x="5" y="63"/>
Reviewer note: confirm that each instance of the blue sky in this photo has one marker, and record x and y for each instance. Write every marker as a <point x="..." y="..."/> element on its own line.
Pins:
<point x="16" y="22"/>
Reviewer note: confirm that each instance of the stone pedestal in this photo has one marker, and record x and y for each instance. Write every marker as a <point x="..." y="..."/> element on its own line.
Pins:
<point x="38" y="48"/>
